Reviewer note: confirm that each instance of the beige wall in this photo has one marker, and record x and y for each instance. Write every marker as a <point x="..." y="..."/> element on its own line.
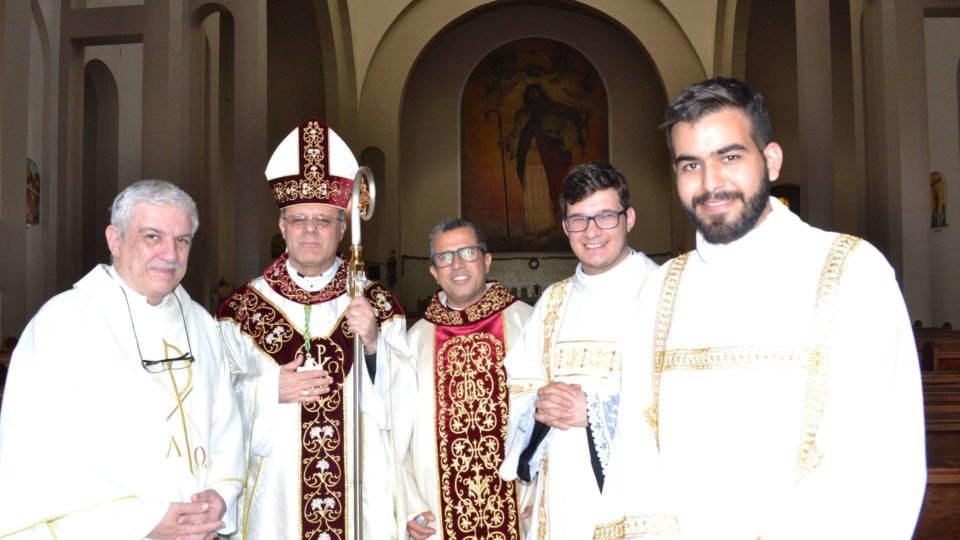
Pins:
<point x="126" y="65"/>
<point x="942" y="46"/>
<point x="430" y="129"/>
<point x="392" y="72"/>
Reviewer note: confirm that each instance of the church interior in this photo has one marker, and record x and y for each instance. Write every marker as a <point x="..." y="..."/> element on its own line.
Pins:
<point x="431" y="95"/>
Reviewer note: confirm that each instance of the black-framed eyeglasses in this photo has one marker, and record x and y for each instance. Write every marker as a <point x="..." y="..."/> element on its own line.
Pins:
<point x="159" y="366"/>
<point x="319" y="221"/>
<point x="604" y="220"/>
<point x="466" y="254"/>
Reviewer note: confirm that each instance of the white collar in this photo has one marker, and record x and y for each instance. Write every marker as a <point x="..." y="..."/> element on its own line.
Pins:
<point x="758" y="240"/>
<point x="136" y="299"/>
<point x="443" y="298"/>
<point x="608" y="281"/>
<point x="313" y="283"/>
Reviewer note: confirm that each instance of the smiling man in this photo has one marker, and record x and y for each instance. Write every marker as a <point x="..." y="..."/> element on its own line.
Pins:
<point x="460" y="344"/>
<point x="300" y="423"/>
<point x="783" y="399"/>
<point x="565" y="371"/>
<point x="118" y="419"/>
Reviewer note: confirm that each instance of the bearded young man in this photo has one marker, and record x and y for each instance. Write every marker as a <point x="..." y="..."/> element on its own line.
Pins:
<point x="453" y="488"/>
<point x="564" y="373"/>
<point x="780" y="394"/>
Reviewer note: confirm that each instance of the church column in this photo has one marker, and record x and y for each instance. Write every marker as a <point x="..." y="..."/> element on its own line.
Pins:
<point x="254" y="203"/>
<point x="815" y="111"/>
<point x="14" y="69"/>
<point x="164" y="88"/>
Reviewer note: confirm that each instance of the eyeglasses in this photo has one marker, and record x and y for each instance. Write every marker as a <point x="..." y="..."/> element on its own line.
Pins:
<point x="466" y="254"/>
<point x="604" y="220"/>
<point x="159" y="366"/>
<point x="301" y="222"/>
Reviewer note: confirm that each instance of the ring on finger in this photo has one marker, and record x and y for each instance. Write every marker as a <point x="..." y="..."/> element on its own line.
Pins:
<point x="305" y="392"/>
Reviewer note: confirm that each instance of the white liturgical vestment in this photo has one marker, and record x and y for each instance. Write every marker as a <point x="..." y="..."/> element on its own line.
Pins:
<point x="575" y="335"/>
<point x="300" y="469"/>
<point x="780" y="380"/>
<point x="92" y="445"/>
<point x="461" y="418"/>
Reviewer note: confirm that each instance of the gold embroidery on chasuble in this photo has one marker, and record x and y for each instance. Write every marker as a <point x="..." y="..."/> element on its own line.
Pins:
<point x="470" y="396"/>
<point x="556" y="301"/>
<point x="813" y="361"/>
<point x="593" y="360"/>
<point x="638" y="526"/>
<point x="178" y="384"/>
<point x="809" y="455"/>
<point x="324" y="427"/>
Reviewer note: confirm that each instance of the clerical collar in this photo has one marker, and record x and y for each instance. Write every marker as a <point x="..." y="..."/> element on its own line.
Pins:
<point x="443" y="299"/>
<point x="766" y="233"/>
<point x="313" y="283"/>
<point x="612" y="275"/>
<point x="133" y="295"/>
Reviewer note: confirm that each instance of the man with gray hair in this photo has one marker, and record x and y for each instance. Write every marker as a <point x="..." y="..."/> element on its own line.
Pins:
<point x="118" y="419"/>
<point x="452" y="483"/>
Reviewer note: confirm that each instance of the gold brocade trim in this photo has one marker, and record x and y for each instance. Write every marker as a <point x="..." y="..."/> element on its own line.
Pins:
<point x="471" y="408"/>
<point x="582" y="360"/>
<point x="313" y="184"/>
<point x="264" y="322"/>
<point x="668" y="299"/>
<point x="542" y="508"/>
<point x="555" y="301"/>
<point x="278" y="278"/>
<point x="734" y="357"/>
<point x="558" y="294"/>
<point x="809" y="455"/>
<point x="634" y="526"/>
<point x="249" y="490"/>
<point x="324" y="479"/>
<point x="494" y="300"/>
<point x="51" y="519"/>
<point x="817" y="382"/>
<point x="517" y="389"/>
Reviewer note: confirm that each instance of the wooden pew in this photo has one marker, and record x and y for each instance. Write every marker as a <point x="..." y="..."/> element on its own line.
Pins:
<point x="940" y="516"/>
<point x="938" y="348"/>
<point x="941" y="400"/>
<point x="942" y="355"/>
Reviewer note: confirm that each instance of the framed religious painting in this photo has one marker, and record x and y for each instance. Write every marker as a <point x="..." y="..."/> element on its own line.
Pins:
<point x="33" y="193"/>
<point x="531" y="110"/>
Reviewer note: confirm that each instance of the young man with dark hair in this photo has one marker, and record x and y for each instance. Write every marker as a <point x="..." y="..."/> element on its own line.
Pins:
<point x="565" y="371"/>
<point x="779" y="392"/>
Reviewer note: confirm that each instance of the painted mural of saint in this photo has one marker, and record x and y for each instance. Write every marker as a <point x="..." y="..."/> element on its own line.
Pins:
<point x="33" y="193"/>
<point x="544" y="135"/>
<point x="938" y="203"/>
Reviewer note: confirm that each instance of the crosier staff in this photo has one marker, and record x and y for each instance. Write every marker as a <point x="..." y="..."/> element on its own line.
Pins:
<point x="361" y="207"/>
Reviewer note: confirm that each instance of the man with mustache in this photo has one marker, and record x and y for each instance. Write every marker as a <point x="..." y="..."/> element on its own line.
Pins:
<point x="458" y="435"/>
<point x="289" y="336"/>
<point x="565" y="370"/>
<point x="779" y="396"/>
<point x="118" y="417"/>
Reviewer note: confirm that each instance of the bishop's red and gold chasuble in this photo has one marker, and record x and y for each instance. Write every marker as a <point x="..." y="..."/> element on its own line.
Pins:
<point x="323" y="463"/>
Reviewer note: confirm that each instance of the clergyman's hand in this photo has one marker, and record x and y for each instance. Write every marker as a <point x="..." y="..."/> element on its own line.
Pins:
<point x="302" y="386"/>
<point x="417" y="527"/>
<point x="362" y="321"/>
<point x="561" y="405"/>
<point x="187" y="521"/>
